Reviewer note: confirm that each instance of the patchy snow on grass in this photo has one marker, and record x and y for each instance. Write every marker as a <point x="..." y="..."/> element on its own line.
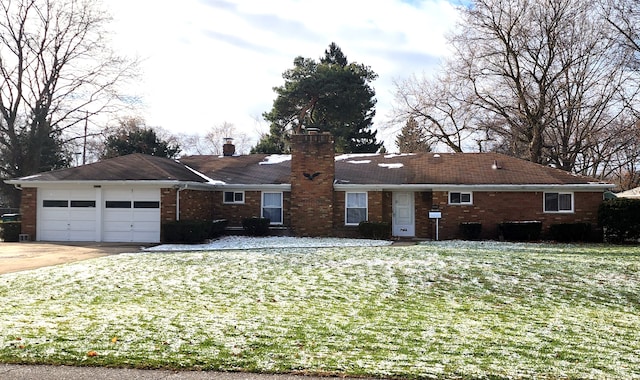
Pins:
<point x="435" y="310"/>
<point x="253" y="242"/>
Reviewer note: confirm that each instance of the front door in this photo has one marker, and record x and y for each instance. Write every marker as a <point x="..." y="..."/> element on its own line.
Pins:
<point x="403" y="214"/>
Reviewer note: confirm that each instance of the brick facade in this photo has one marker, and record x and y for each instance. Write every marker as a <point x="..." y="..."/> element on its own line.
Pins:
<point x="29" y="211"/>
<point x="493" y="208"/>
<point x="312" y="176"/>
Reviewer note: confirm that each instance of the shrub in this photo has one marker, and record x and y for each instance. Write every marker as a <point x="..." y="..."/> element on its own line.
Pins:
<point x="10" y="231"/>
<point x="192" y="231"/>
<point x="375" y="230"/>
<point x="620" y="219"/>
<point x="256" y="226"/>
<point x="520" y="231"/>
<point x="566" y="232"/>
<point x="218" y="227"/>
<point x="470" y="230"/>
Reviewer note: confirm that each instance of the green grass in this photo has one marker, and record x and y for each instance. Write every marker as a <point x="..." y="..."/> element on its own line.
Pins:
<point x="439" y="310"/>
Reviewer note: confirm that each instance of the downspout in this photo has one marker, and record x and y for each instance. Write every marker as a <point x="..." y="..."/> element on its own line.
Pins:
<point x="180" y="188"/>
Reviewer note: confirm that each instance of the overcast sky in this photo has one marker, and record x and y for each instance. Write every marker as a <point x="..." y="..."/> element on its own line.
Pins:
<point x="206" y="62"/>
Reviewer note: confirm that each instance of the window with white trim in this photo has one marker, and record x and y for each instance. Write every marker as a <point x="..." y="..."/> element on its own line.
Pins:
<point x="460" y="198"/>
<point x="558" y="202"/>
<point x="233" y="197"/>
<point x="272" y="207"/>
<point x="355" y="208"/>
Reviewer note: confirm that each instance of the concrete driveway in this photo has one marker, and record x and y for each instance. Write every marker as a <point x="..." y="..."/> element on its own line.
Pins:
<point x="16" y="257"/>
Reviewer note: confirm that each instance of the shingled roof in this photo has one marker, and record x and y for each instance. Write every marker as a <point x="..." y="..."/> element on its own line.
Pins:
<point x="391" y="169"/>
<point x="132" y="167"/>
<point x="471" y="169"/>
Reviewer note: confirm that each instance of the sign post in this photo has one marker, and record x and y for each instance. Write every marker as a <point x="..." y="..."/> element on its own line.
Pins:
<point x="435" y="215"/>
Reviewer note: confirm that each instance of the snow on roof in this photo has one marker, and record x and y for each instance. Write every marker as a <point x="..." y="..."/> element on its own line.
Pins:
<point x="354" y="156"/>
<point x="359" y="161"/>
<point x="391" y="166"/>
<point x="392" y="155"/>
<point x="31" y="176"/>
<point x="209" y="180"/>
<point x="276" y="159"/>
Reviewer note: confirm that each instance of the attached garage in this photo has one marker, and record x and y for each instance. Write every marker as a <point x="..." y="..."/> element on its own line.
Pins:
<point x="114" y="200"/>
<point x="109" y="214"/>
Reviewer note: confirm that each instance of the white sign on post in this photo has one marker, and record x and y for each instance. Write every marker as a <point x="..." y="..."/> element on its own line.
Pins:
<point x="435" y="215"/>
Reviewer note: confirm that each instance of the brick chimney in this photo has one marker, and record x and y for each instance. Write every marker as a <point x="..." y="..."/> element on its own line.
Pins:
<point x="312" y="176"/>
<point x="228" y="149"/>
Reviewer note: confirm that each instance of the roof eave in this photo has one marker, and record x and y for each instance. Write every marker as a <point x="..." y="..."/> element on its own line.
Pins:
<point x="481" y="187"/>
<point x="155" y="183"/>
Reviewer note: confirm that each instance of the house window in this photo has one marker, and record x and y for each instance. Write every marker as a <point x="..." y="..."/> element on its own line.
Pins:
<point x="272" y="207"/>
<point x="460" y="198"/>
<point x="355" y="208"/>
<point x="233" y="197"/>
<point x="558" y="202"/>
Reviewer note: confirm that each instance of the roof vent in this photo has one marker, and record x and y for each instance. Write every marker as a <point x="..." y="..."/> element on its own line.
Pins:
<point x="495" y="165"/>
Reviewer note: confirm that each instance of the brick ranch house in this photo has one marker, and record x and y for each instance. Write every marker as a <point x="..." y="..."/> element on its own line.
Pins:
<point x="311" y="192"/>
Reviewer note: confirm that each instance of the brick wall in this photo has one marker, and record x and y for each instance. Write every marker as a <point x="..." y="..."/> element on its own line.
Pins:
<point x="425" y="227"/>
<point x="492" y="208"/>
<point x="167" y="205"/>
<point x="312" y="199"/>
<point x="236" y="212"/>
<point x="29" y="211"/>
<point x="196" y="205"/>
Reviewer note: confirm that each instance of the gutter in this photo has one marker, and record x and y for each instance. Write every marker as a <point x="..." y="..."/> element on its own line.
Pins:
<point x="445" y="187"/>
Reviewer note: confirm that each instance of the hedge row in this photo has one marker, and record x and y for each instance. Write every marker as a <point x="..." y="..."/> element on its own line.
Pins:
<point x="192" y="231"/>
<point x="620" y="219"/>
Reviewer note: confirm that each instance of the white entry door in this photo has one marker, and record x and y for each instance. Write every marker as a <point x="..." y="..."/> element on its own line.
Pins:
<point x="403" y="214"/>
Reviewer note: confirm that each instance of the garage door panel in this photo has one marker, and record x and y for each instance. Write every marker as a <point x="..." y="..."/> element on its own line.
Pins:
<point x="138" y="222"/>
<point x="54" y="215"/>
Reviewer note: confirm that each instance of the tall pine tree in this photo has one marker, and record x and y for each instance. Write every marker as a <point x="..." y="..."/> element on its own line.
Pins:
<point x="331" y="95"/>
<point x="412" y="138"/>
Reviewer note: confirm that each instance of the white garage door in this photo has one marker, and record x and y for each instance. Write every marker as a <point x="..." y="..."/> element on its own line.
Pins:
<point x="131" y="215"/>
<point x="67" y="215"/>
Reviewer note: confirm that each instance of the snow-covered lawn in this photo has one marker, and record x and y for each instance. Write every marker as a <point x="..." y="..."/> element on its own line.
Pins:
<point x="443" y="309"/>
<point x="248" y="242"/>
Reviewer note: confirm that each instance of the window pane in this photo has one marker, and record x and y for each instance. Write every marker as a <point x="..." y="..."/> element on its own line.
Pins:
<point x="118" y="204"/>
<point x="238" y="197"/>
<point x="228" y="196"/>
<point x="551" y="201"/>
<point x="146" y="204"/>
<point x="356" y="200"/>
<point x="273" y="214"/>
<point x="454" y="197"/>
<point x="83" y="203"/>
<point x="55" y="203"/>
<point x="465" y="197"/>
<point x="356" y="215"/>
<point x="272" y="200"/>
<point x="565" y="202"/>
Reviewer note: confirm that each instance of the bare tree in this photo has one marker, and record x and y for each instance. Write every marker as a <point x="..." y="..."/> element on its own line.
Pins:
<point x="547" y="81"/>
<point x="211" y="142"/>
<point x="439" y="104"/>
<point x="56" y="71"/>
